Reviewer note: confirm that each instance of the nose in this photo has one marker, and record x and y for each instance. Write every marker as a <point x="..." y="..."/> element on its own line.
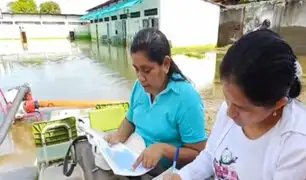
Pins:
<point x="140" y="77"/>
<point x="232" y="111"/>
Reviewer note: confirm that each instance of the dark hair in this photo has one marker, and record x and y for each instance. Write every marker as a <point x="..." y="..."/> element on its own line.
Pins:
<point x="156" y="46"/>
<point x="264" y="66"/>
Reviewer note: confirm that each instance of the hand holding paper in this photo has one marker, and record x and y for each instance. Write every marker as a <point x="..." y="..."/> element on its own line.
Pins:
<point x="112" y="138"/>
<point x="150" y="156"/>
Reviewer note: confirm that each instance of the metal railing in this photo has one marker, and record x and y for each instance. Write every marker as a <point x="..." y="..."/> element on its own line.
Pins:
<point x="10" y="116"/>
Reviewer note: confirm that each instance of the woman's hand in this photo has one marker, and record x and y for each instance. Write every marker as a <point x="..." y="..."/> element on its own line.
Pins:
<point x="171" y="176"/>
<point x="150" y="156"/>
<point x="113" y="138"/>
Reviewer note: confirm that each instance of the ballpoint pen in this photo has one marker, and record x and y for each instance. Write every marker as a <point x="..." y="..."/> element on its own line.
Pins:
<point x="176" y="154"/>
<point x="173" y="168"/>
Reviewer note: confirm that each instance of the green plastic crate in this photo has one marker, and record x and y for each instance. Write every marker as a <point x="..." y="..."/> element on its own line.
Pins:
<point x="55" y="135"/>
<point x="124" y="105"/>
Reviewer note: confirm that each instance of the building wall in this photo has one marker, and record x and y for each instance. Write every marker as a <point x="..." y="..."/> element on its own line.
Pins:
<point x="185" y="23"/>
<point x="288" y="19"/>
<point x="115" y="28"/>
<point x="40" y="26"/>
<point x="190" y="23"/>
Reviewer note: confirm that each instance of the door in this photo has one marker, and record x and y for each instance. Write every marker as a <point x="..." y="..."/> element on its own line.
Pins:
<point x="97" y="32"/>
<point x="124" y="32"/>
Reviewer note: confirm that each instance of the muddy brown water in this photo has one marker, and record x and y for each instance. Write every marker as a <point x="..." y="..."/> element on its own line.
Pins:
<point x="78" y="71"/>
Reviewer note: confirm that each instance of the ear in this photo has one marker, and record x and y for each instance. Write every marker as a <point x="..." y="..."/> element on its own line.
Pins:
<point x="166" y="64"/>
<point x="281" y="103"/>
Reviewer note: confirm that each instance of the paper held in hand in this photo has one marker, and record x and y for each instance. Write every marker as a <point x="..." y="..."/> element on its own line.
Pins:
<point x="120" y="158"/>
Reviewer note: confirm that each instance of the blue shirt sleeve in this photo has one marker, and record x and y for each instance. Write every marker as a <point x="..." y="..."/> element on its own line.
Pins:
<point x="191" y="123"/>
<point x="129" y="113"/>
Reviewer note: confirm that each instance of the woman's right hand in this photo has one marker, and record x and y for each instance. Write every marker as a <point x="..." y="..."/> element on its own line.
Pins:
<point x="113" y="138"/>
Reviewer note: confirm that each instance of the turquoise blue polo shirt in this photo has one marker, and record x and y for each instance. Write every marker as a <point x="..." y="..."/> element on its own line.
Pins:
<point x="175" y="117"/>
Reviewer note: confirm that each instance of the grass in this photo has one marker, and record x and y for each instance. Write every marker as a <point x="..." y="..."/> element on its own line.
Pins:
<point x="36" y="61"/>
<point x="197" y="51"/>
<point x="86" y="37"/>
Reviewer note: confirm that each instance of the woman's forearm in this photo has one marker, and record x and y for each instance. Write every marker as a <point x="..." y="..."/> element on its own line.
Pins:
<point x="125" y="130"/>
<point x="186" y="155"/>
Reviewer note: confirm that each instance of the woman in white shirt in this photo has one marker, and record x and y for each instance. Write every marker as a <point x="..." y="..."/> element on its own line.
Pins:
<point x="260" y="131"/>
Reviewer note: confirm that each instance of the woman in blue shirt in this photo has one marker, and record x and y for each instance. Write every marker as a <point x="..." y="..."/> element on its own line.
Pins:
<point x="165" y="110"/>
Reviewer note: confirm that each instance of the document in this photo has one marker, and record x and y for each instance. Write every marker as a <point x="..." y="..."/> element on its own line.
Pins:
<point x="119" y="157"/>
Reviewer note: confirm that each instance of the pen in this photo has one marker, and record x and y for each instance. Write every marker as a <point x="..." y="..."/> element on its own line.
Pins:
<point x="176" y="154"/>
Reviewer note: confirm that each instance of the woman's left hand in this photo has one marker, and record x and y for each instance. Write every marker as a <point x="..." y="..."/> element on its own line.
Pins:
<point x="150" y="156"/>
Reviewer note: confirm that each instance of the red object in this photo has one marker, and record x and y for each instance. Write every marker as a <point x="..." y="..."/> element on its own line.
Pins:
<point x="29" y="106"/>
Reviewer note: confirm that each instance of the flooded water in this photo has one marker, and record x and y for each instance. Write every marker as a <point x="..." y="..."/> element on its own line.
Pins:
<point x="81" y="70"/>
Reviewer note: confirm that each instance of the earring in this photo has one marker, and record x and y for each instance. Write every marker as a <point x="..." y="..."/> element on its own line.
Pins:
<point x="274" y="114"/>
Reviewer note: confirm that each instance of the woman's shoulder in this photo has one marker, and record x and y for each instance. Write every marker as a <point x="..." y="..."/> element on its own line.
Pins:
<point x="186" y="90"/>
<point x="294" y="118"/>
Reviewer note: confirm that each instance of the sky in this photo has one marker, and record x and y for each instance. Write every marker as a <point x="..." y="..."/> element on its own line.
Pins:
<point x="67" y="6"/>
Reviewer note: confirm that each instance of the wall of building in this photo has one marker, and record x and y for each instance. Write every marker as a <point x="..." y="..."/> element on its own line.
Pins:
<point x="185" y="23"/>
<point x="117" y="30"/>
<point x="190" y="23"/>
<point x="40" y="26"/>
<point x="288" y="19"/>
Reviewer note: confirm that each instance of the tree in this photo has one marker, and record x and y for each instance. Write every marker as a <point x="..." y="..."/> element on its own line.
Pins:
<point x="22" y="6"/>
<point x="49" y="7"/>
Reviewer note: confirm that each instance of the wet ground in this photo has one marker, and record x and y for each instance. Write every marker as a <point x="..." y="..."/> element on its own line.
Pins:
<point x="81" y="70"/>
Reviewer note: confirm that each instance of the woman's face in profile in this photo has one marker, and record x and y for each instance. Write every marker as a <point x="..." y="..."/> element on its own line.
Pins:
<point x="150" y="74"/>
<point x="240" y="109"/>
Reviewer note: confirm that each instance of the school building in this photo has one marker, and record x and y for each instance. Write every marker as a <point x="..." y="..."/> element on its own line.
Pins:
<point x="42" y="26"/>
<point x="185" y="22"/>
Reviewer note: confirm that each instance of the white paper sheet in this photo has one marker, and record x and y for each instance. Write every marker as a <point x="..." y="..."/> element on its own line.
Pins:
<point x="119" y="157"/>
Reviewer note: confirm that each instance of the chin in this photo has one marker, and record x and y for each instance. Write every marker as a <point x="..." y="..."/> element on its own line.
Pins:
<point x="239" y="123"/>
<point x="147" y="89"/>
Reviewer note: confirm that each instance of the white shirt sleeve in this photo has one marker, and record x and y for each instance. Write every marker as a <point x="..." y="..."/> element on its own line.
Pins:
<point x="292" y="160"/>
<point x="202" y="167"/>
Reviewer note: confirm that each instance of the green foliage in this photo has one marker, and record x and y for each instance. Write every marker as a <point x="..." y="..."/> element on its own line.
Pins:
<point x="22" y="6"/>
<point x="49" y="7"/>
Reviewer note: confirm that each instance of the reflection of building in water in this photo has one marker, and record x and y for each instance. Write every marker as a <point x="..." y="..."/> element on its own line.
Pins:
<point x="185" y="23"/>
<point x="6" y="67"/>
<point x="115" y="58"/>
<point x="38" y="50"/>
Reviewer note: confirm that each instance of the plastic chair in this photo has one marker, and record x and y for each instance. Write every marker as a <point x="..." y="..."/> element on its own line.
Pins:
<point x="107" y="117"/>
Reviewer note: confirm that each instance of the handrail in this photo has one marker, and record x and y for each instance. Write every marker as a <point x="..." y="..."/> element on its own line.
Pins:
<point x="10" y="116"/>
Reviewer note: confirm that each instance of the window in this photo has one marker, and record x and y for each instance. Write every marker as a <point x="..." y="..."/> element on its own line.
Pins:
<point x="135" y="14"/>
<point x="6" y="22"/>
<point x="91" y="21"/>
<point x="96" y="20"/>
<point x="106" y="19"/>
<point x="150" y="12"/>
<point x="100" y="20"/>
<point x="53" y="23"/>
<point x="114" y="18"/>
<point x="27" y="22"/>
<point x="123" y="16"/>
<point x="75" y="23"/>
